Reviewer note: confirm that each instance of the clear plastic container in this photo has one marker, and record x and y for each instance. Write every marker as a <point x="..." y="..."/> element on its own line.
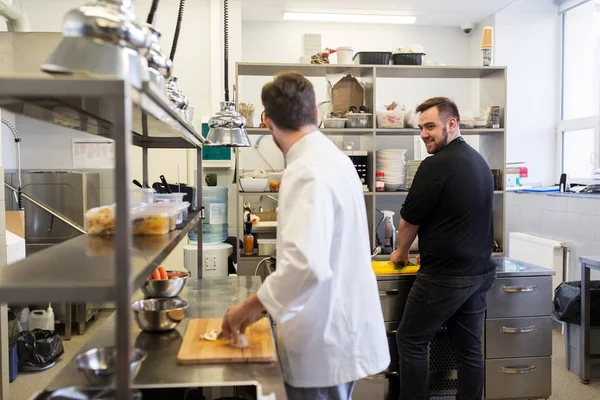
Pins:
<point x="139" y="195"/>
<point x="100" y="221"/>
<point x="169" y="197"/>
<point x="334" y="123"/>
<point x="214" y="226"/>
<point x="171" y="210"/>
<point x="359" y="121"/>
<point x="152" y="220"/>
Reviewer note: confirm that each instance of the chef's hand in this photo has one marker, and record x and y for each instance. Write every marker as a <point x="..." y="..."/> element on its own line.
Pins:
<point x="397" y="257"/>
<point x="241" y="316"/>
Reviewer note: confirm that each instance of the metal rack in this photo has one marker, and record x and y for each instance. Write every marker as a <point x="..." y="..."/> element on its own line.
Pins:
<point x="99" y="268"/>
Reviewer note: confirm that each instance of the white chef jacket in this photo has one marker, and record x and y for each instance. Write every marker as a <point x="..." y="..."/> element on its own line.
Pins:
<point x="323" y="294"/>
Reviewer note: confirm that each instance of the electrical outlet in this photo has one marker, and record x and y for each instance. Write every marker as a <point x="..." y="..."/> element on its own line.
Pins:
<point x="211" y="263"/>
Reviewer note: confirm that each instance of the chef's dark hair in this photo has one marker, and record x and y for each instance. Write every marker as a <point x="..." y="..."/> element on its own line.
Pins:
<point x="446" y="107"/>
<point x="289" y="101"/>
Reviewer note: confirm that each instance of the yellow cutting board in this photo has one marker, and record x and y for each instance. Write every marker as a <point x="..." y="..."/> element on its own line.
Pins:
<point x="195" y="350"/>
<point x="387" y="268"/>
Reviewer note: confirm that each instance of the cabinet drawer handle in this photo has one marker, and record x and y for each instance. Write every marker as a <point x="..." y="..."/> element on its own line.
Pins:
<point x="391" y="292"/>
<point x="518" y="370"/>
<point x="527" y="329"/>
<point x="381" y="376"/>
<point x="519" y="289"/>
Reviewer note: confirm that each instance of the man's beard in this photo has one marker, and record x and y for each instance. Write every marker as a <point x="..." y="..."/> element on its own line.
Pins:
<point x="440" y="145"/>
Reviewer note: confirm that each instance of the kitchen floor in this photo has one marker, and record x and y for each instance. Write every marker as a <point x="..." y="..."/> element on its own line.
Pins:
<point x="565" y="384"/>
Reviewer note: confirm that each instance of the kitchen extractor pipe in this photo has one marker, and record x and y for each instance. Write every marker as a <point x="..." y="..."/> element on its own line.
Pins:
<point x="14" y="14"/>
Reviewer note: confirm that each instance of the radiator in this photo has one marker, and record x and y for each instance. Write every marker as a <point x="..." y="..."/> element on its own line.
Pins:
<point x="540" y="251"/>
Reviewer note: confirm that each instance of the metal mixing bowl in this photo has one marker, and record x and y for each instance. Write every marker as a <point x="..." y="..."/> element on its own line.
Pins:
<point x="164" y="288"/>
<point x="99" y="364"/>
<point x="159" y="315"/>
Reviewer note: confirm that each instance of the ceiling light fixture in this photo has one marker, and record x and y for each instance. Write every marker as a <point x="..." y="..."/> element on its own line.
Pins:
<point x="360" y="18"/>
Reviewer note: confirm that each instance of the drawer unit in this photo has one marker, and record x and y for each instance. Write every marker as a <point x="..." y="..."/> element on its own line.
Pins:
<point x="391" y="329"/>
<point x="383" y="386"/>
<point x="393" y="295"/>
<point x="520" y="297"/>
<point x="518" y="337"/>
<point x="518" y="378"/>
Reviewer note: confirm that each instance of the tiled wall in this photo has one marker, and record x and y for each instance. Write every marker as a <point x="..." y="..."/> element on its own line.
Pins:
<point x="572" y="220"/>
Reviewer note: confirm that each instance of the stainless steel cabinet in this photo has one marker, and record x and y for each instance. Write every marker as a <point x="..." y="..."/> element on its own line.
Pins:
<point x="518" y="339"/>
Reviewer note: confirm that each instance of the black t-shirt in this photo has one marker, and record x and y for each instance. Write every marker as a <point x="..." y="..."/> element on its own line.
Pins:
<point x="451" y="199"/>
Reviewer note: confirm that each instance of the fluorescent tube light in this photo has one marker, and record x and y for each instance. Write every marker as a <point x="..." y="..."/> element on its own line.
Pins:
<point x="360" y="18"/>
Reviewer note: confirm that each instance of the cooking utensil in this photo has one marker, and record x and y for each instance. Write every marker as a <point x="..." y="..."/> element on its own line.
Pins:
<point x="164" y="288"/>
<point x="158" y="187"/>
<point x="98" y="365"/>
<point x="159" y="315"/>
<point x="165" y="184"/>
<point x="196" y="350"/>
<point x="138" y="184"/>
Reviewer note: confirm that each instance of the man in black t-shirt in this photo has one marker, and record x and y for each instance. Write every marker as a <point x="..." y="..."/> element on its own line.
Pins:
<point x="450" y="207"/>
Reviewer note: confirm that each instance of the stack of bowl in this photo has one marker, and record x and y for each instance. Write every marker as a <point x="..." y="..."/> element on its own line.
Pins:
<point x="411" y="170"/>
<point x="392" y="163"/>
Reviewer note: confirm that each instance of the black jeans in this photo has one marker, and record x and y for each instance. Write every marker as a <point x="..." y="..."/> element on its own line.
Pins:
<point x="458" y="301"/>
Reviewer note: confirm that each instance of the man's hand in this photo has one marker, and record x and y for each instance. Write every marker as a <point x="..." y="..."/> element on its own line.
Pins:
<point x="241" y="316"/>
<point x="398" y="258"/>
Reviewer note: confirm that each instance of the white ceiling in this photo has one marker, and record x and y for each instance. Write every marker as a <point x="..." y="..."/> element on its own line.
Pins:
<point x="428" y="12"/>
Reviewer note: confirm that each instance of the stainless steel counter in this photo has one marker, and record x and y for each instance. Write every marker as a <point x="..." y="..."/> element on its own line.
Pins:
<point x="207" y="298"/>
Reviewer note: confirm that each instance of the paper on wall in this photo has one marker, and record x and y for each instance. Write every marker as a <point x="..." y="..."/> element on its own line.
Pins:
<point x="93" y="154"/>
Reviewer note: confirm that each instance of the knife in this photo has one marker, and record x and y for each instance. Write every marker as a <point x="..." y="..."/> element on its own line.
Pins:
<point x="138" y="184"/>
<point x="165" y="184"/>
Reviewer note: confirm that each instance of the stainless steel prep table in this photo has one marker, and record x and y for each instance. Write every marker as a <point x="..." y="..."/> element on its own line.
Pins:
<point x="207" y="298"/>
<point x="587" y="264"/>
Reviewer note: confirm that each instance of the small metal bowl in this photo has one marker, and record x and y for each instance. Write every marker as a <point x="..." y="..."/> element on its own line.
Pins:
<point x="159" y="315"/>
<point x="164" y="288"/>
<point x="99" y="364"/>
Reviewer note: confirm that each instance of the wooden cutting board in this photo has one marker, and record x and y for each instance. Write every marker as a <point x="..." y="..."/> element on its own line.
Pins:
<point x="195" y="350"/>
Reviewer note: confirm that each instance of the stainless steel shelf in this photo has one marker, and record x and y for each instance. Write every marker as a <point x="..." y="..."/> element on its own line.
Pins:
<point x="414" y="132"/>
<point x="328" y="132"/>
<point x="83" y="269"/>
<point x="310" y="70"/>
<point x="446" y="72"/>
<point x="85" y="104"/>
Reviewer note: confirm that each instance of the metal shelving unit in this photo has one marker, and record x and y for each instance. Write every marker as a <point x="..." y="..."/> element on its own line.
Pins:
<point x="492" y="142"/>
<point x="99" y="268"/>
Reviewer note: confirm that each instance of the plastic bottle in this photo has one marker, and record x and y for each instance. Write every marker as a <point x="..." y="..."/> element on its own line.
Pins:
<point x="50" y="317"/>
<point x="390" y="232"/>
<point x="24" y="319"/>
<point x="248" y="238"/>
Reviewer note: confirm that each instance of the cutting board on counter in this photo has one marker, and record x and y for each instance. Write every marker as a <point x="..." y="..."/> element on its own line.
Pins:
<point x="386" y="268"/>
<point x="195" y="350"/>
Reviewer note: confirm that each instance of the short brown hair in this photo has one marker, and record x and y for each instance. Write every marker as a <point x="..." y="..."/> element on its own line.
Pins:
<point x="289" y="101"/>
<point x="446" y="107"/>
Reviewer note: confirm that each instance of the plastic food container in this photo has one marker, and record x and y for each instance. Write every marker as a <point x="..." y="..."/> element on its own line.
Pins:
<point x="275" y="181"/>
<point x="408" y="58"/>
<point x="467" y="124"/>
<point x="344" y="55"/>
<point x="169" y="197"/>
<point x="100" y="221"/>
<point x="171" y="210"/>
<point x="390" y="119"/>
<point x="138" y="195"/>
<point x="266" y="247"/>
<point x="152" y="221"/>
<point x="372" y="57"/>
<point x="334" y="123"/>
<point x="358" y="121"/>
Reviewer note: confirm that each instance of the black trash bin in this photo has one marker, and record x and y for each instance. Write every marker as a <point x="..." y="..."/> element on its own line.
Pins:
<point x="567" y="302"/>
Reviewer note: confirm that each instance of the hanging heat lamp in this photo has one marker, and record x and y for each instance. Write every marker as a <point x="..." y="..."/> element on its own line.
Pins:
<point x="227" y="127"/>
<point x="159" y="65"/>
<point x="102" y="38"/>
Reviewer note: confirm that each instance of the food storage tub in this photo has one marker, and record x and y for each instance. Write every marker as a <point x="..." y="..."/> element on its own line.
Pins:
<point x="334" y="123"/>
<point x="467" y="123"/>
<point x="359" y="121"/>
<point x="174" y="210"/>
<point x="266" y="247"/>
<point x="275" y="181"/>
<point x="169" y="197"/>
<point x="153" y="220"/>
<point x="408" y="58"/>
<point x="100" y="221"/>
<point x="139" y="195"/>
<point x="372" y="57"/>
<point x="390" y="119"/>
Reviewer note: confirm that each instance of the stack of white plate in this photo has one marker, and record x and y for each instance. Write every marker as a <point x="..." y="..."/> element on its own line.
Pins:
<point x="411" y="170"/>
<point x="392" y="163"/>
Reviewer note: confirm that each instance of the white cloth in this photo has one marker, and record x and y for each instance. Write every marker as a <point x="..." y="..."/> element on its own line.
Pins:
<point x="324" y="294"/>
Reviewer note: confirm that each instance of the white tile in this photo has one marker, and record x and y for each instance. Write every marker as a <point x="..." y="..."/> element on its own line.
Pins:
<point x="581" y="206"/>
<point x="597" y="227"/>
<point x="573" y="223"/>
<point x="560" y="203"/>
<point x="547" y="203"/>
<point x="547" y="224"/>
<point x="587" y="227"/>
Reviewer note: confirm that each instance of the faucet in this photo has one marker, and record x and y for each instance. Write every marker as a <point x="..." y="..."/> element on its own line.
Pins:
<point x="269" y="197"/>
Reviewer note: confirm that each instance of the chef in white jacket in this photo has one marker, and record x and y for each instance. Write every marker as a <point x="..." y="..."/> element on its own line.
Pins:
<point x="323" y="295"/>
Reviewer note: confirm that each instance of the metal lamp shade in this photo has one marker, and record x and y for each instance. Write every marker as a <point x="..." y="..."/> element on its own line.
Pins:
<point x="227" y="128"/>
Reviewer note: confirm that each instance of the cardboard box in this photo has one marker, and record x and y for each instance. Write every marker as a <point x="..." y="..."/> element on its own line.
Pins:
<point x="15" y="223"/>
<point x="347" y="92"/>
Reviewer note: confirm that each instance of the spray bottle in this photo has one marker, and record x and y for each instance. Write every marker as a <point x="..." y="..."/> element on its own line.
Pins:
<point x="390" y="232"/>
